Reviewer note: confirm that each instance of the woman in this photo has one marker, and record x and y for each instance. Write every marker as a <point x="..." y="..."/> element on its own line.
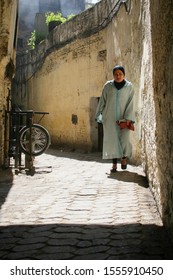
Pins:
<point x="115" y="110"/>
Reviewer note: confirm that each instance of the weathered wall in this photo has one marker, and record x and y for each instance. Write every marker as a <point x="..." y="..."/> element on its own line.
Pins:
<point x="8" y="32"/>
<point x="66" y="73"/>
<point x="157" y="104"/>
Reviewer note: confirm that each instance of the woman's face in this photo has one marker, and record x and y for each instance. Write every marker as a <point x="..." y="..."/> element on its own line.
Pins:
<point x="118" y="76"/>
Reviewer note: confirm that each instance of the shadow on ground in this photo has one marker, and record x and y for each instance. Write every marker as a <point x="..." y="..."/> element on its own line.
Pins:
<point x="127" y="176"/>
<point x="84" y="242"/>
<point x="76" y="154"/>
<point x="6" y="180"/>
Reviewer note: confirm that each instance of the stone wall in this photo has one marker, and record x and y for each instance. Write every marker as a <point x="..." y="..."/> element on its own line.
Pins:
<point x="8" y="34"/>
<point x="157" y="104"/>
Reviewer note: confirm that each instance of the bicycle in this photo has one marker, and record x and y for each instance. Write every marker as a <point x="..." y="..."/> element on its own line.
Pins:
<point x="25" y="136"/>
<point x="40" y="140"/>
<point x="34" y="139"/>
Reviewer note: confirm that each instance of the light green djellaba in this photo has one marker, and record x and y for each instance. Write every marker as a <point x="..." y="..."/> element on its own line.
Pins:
<point x="116" y="105"/>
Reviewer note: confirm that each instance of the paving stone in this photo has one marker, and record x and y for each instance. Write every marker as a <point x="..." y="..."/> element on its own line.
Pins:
<point x="125" y="242"/>
<point x="84" y="243"/>
<point x="9" y="240"/>
<point x="76" y="210"/>
<point x="62" y="242"/>
<point x="58" y="249"/>
<point x="56" y="256"/>
<point x="27" y="247"/>
<point x="33" y="240"/>
<point x="66" y="235"/>
<point x="90" y="250"/>
<point x="26" y="255"/>
<point x="68" y="229"/>
<point x="94" y="256"/>
<point x="97" y="236"/>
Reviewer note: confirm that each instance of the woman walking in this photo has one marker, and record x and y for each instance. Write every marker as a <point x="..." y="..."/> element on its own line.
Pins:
<point x="115" y="110"/>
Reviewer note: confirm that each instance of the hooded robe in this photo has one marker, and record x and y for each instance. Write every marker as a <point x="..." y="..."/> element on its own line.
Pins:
<point x="116" y="105"/>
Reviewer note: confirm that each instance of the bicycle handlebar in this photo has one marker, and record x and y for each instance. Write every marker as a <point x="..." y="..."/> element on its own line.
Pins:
<point x="28" y="111"/>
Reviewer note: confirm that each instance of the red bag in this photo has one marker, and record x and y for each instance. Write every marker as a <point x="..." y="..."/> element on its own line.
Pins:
<point x="126" y="124"/>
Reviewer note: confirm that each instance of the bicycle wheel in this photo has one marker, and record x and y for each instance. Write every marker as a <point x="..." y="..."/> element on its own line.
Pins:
<point x="39" y="138"/>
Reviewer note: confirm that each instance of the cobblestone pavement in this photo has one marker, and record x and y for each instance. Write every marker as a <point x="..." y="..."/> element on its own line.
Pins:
<point x="71" y="208"/>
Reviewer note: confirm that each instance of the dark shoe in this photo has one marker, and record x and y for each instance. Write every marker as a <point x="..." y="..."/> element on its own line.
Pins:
<point x="124" y="163"/>
<point x="113" y="170"/>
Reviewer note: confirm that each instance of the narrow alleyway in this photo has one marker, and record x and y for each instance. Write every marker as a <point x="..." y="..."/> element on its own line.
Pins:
<point x="73" y="209"/>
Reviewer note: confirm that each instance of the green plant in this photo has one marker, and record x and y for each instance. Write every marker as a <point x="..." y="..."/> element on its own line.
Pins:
<point x="31" y="40"/>
<point x="35" y="39"/>
<point x="50" y="16"/>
